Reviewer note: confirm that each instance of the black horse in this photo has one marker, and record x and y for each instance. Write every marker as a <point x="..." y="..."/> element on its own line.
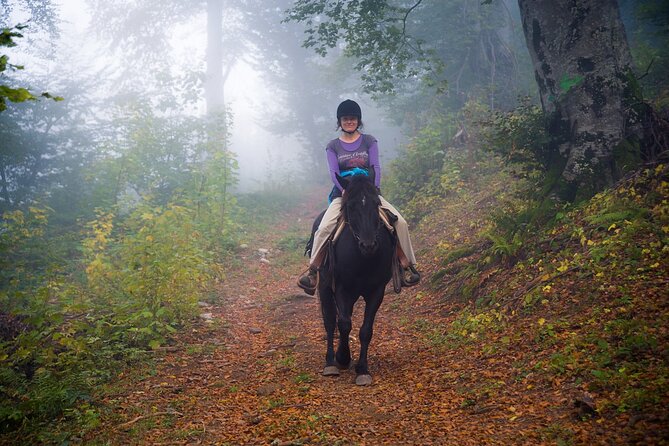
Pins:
<point x="358" y="264"/>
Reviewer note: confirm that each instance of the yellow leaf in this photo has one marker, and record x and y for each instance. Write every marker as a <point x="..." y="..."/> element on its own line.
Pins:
<point x="545" y="277"/>
<point x="613" y="226"/>
<point x="541" y="321"/>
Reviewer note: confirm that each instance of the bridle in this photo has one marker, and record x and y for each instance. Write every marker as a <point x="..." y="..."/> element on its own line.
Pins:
<point x="355" y="233"/>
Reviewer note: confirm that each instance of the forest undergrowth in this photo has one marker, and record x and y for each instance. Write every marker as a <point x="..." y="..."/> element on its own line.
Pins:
<point x="536" y="322"/>
<point x="561" y="340"/>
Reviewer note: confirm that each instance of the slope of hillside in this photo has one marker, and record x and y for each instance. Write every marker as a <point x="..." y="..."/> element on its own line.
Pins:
<point x="566" y="326"/>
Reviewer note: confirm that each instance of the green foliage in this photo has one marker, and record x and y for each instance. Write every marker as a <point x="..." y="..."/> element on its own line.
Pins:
<point x="458" y="253"/>
<point x="412" y="49"/>
<point x="419" y="169"/>
<point x="147" y="260"/>
<point x="467" y="328"/>
<point x="505" y="246"/>
<point x="7" y="36"/>
<point x="617" y="362"/>
<point x="19" y="254"/>
<point x="515" y="221"/>
<point x="144" y="275"/>
<point x="40" y="355"/>
<point x="151" y="274"/>
<point x="368" y="25"/>
<point x="646" y="23"/>
<point x="520" y="137"/>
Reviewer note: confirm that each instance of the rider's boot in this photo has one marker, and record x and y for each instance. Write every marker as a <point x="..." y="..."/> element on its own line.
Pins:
<point x="308" y="281"/>
<point x="410" y="276"/>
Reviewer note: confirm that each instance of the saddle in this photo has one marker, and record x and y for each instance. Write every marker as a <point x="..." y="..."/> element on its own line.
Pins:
<point x="388" y="219"/>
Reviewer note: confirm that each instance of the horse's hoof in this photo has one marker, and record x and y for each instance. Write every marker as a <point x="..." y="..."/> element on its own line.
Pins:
<point x="330" y="370"/>
<point x="363" y="380"/>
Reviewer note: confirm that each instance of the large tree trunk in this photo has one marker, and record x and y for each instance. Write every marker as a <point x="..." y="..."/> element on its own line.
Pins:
<point x="582" y="65"/>
<point x="213" y="87"/>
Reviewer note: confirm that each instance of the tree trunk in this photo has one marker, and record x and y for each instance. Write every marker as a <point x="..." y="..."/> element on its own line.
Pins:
<point x="214" y="83"/>
<point x="582" y="65"/>
<point x="5" y="190"/>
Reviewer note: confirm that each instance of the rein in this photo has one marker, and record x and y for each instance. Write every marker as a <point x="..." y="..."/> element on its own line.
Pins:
<point x="357" y="236"/>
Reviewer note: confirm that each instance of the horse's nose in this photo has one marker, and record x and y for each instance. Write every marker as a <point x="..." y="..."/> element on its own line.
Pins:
<point x="368" y="247"/>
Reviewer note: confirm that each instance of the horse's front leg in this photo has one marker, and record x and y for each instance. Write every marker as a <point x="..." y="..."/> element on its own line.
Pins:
<point x="372" y="304"/>
<point x="329" y="311"/>
<point x="344" y="313"/>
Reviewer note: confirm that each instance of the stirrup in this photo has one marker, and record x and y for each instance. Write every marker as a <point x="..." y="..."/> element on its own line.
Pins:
<point x="307" y="289"/>
<point x="414" y="273"/>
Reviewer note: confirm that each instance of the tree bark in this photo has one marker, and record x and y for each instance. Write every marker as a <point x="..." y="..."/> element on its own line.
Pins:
<point x="582" y="65"/>
<point x="214" y="93"/>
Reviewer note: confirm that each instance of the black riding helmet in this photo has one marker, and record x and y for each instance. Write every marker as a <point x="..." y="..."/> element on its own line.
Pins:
<point x="349" y="108"/>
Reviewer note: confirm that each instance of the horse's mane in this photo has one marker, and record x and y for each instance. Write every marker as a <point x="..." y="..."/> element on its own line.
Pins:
<point x="359" y="185"/>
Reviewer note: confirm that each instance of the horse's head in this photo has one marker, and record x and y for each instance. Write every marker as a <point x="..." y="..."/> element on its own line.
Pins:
<point x="360" y="206"/>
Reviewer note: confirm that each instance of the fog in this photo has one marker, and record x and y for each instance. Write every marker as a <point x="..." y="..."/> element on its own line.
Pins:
<point x="265" y="155"/>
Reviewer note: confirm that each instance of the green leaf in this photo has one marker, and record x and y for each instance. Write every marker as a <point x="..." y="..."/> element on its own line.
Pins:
<point x="50" y="96"/>
<point x="15" y="94"/>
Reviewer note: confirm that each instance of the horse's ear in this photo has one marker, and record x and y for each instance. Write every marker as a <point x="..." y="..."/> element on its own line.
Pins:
<point x="342" y="180"/>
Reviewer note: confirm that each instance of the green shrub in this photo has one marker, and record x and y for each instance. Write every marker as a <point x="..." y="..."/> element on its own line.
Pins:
<point x="151" y="272"/>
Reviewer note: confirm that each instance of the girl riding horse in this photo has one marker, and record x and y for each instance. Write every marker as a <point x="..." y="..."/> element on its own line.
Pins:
<point x="354" y="150"/>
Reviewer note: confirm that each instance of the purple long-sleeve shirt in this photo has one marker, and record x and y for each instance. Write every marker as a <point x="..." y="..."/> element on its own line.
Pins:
<point x="372" y="160"/>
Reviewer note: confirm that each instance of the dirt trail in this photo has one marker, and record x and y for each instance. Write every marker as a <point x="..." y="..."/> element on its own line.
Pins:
<point x="251" y="376"/>
<point x="255" y="379"/>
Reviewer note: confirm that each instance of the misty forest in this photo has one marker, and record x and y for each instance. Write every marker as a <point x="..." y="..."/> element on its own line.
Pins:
<point x="162" y="164"/>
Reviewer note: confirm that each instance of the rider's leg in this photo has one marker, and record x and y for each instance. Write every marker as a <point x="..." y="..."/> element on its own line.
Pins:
<point x="402" y="229"/>
<point x="308" y="280"/>
<point x="408" y="259"/>
<point x="324" y="231"/>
